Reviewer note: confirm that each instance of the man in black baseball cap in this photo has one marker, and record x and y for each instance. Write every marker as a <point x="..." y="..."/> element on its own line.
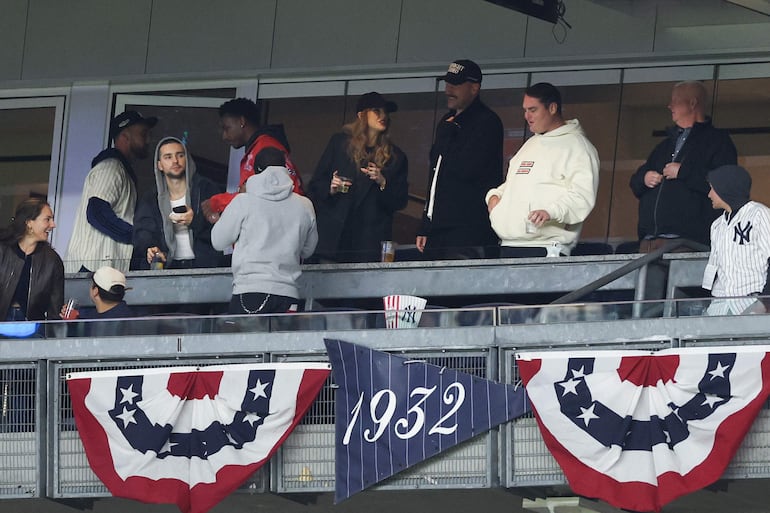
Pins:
<point x="103" y="232"/>
<point x="127" y="119"/>
<point x="461" y="71"/>
<point x="466" y="161"/>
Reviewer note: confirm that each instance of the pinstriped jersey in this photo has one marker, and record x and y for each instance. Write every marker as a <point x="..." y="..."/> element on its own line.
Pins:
<point x="740" y="248"/>
<point x="109" y="181"/>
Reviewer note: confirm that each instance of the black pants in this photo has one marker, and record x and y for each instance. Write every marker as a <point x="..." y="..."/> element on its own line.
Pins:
<point x="522" y="252"/>
<point x="258" y="302"/>
<point x="461" y="243"/>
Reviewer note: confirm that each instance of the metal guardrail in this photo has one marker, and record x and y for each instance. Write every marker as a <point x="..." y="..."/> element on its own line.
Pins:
<point x="436" y="279"/>
<point x="634" y="265"/>
<point x="43" y="457"/>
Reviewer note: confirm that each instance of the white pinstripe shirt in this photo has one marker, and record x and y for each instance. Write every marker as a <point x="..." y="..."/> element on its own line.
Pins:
<point x="89" y="247"/>
<point x="737" y="264"/>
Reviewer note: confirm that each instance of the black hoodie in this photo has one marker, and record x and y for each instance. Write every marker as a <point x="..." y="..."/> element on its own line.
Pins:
<point x="732" y="184"/>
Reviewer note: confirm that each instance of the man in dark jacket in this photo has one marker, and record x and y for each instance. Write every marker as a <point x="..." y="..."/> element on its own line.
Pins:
<point x="169" y="223"/>
<point x="671" y="185"/>
<point x="466" y="161"/>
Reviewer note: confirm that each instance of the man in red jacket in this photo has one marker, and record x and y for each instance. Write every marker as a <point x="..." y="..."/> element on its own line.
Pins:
<point x="240" y="123"/>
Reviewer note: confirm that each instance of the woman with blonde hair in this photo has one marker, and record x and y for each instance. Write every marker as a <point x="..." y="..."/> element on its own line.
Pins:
<point x="359" y="183"/>
<point x="32" y="277"/>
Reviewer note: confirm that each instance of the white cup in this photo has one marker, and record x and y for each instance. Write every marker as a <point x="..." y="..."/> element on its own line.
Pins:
<point x="71" y="309"/>
<point x="531" y="227"/>
<point x="554" y="250"/>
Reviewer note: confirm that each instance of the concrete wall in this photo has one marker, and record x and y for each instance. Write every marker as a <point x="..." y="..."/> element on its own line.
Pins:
<point x="51" y="40"/>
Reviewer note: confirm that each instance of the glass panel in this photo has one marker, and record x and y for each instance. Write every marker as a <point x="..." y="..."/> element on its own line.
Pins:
<point x="742" y="106"/>
<point x="596" y="107"/>
<point x="643" y="120"/>
<point x="26" y="136"/>
<point x="309" y="123"/>
<point x="412" y="131"/>
<point x="191" y="118"/>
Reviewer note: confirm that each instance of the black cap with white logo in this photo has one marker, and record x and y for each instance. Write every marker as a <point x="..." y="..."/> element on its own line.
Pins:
<point x="128" y="118"/>
<point x="461" y="71"/>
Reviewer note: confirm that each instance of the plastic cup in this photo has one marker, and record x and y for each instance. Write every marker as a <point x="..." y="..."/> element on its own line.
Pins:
<point x="388" y="251"/>
<point x="531" y="227"/>
<point x="345" y="185"/>
<point x="71" y="309"/>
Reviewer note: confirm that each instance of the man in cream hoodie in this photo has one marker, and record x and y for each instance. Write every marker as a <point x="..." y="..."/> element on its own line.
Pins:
<point x="551" y="184"/>
<point x="272" y="228"/>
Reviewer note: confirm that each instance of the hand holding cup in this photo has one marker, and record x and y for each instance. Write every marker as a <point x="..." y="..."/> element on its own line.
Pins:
<point x="69" y="311"/>
<point x="340" y="184"/>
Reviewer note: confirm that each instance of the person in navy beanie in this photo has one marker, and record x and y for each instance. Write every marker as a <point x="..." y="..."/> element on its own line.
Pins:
<point x="740" y="244"/>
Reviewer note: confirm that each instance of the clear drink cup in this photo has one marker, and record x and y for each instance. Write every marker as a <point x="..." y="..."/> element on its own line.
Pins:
<point x="388" y="251"/>
<point x="71" y="309"/>
<point x="344" y="187"/>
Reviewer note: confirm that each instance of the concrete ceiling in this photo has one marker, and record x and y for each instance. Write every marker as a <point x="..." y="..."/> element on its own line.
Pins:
<point x="760" y="6"/>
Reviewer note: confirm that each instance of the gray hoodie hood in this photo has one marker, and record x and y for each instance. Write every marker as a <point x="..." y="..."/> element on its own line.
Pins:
<point x="160" y="179"/>
<point x="272" y="184"/>
<point x="164" y="200"/>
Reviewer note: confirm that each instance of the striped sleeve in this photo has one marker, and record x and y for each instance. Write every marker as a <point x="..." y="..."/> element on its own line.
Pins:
<point x="106" y="181"/>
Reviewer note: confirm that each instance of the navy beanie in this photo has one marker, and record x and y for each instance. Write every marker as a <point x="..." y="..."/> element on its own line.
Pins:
<point x="732" y="184"/>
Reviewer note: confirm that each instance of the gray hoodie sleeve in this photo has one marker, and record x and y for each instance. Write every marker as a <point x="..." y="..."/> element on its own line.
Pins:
<point x="226" y="231"/>
<point x="311" y="238"/>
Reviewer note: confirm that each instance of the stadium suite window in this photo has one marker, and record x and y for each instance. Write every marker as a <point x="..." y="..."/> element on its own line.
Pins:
<point x="596" y="106"/>
<point x="643" y="115"/>
<point x="198" y="127"/>
<point x="25" y="155"/>
<point x="310" y="122"/>
<point x="742" y="106"/>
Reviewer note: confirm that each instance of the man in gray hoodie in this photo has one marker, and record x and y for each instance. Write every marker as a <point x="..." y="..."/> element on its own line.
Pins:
<point x="272" y="229"/>
<point x="169" y="224"/>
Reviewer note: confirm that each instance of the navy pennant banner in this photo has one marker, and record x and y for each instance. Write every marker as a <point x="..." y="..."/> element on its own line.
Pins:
<point x="392" y="413"/>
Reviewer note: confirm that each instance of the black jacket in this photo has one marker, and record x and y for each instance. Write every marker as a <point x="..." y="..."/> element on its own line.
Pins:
<point x="471" y="149"/>
<point x="46" y="284"/>
<point x="352" y="225"/>
<point x="148" y="226"/>
<point x="681" y="206"/>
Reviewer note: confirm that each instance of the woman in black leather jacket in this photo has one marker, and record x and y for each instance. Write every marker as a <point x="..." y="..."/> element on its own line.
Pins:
<point x="31" y="272"/>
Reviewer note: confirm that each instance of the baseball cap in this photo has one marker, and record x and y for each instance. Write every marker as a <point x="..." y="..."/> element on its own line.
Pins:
<point x="128" y="118"/>
<point x="461" y="71"/>
<point x="107" y="277"/>
<point x="375" y="101"/>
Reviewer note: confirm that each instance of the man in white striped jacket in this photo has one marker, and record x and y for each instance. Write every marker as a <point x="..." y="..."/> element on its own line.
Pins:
<point x="740" y="244"/>
<point x="104" y="228"/>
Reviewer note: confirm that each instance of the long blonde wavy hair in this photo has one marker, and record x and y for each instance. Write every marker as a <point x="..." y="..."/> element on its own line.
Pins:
<point x="357" y="147"/>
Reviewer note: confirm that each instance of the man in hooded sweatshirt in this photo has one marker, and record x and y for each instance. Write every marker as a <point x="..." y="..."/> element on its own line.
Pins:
<point x="169" y="223"/>
<point x="740" y="244"/>
<point x="272" y="229"/>
<point x="551" y="184"/>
